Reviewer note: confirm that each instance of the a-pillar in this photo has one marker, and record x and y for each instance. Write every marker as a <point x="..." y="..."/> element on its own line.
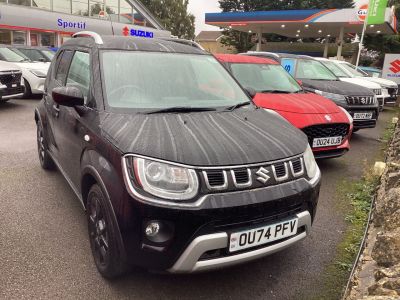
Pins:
<point x="340" y="42"/>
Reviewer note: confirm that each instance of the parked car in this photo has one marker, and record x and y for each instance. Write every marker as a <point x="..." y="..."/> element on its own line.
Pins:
<point x="179" y="173"/>
<point x="340" y="72"/>
<point x="360" y="102"/>
<point x="327" y="126"/>
<point x="371" y="71"/>
<point x="37" y="54"/>
<point x="11" y="83"/>
<point x="33" y="73"/>
<point x="390" y="88"/>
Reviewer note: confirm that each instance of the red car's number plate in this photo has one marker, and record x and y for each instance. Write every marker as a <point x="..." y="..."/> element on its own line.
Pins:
<point x="327" y="142"/>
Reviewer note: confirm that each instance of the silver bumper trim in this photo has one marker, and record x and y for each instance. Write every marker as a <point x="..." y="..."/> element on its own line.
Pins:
<point x="189" y="262"/>
<point x="12" y="96"/>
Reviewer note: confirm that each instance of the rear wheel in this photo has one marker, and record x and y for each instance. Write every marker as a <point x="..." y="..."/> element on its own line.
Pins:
<point x="103" y="235"/>
<point x="44" y="158"/>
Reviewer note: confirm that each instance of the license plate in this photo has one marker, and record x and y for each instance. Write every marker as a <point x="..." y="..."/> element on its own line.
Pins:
<point x="326" y="142"/>
<point x="262" y="235"/>
<point x="362" y="116"/>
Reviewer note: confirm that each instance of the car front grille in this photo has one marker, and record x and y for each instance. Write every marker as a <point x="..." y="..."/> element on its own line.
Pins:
<point x="377" y="91"/>
<point x="10" y="78"/>
<point x="360" y="100"/>
<point x="253" y="176"/>
<point x="326" y="130"/>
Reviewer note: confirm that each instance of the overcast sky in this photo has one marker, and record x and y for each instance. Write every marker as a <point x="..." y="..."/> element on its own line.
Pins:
<point x="199" y="8"/>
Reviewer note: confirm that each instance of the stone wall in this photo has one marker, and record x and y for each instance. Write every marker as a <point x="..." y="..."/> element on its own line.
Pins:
<point x="378" y="271"/>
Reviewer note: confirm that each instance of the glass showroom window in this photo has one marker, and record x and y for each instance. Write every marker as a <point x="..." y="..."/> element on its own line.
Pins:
<point x="63" y="6"/>
<point x="47" y="39"/>
<point x="112" y="10"/>
<point x="129" y="15"/>
<point x="19" y="37"/>
<point x="5" y="36"/>
<point x="80" y="8"/>
<point x="96" y="7"/>
<point x="42" y="4"/>
<point x="20" y="2"/>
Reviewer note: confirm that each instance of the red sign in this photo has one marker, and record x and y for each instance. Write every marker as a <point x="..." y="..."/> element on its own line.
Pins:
<point x="362" y="12"/>
<point x="395" y="66"/>
<point x="125" y="31"/>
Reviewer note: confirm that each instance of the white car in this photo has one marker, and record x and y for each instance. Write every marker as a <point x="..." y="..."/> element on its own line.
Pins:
<point x="339" y="69"/>
<point x="11" y="81"/>
<point x="390" y="89"/>
<point x="33" y="73"/>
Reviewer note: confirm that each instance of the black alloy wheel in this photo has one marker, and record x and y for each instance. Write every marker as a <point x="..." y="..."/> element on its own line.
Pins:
<point x="103" y="234"/>
<point x="44" y="158"/>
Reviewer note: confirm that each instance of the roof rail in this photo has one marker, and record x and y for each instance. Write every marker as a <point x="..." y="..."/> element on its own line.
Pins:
<point x="97" y="38"/>
<point x="183" y="41"/>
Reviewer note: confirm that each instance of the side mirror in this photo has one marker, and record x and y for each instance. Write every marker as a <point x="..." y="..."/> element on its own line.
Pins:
<point x="251" y="92"/>
<point x="299" y="82"/>
<point x="68" y="96"/>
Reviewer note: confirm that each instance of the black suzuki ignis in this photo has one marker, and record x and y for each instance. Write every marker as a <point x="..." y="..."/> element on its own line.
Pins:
<point x="177" y="169"/>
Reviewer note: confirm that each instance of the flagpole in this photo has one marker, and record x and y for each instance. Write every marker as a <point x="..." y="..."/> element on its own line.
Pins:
<point x="361" y="44"/>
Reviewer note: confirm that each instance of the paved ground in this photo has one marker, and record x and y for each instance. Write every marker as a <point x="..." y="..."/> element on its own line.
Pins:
<point x="44" y="250"/>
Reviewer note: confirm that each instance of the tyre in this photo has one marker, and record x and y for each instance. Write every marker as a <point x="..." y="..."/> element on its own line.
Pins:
<point x="104" y="235"/>
<point x="28" y="90"/>
<point x="44" y="158"/>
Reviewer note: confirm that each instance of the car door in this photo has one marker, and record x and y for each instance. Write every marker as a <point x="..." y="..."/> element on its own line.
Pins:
<point x="71" y="123"/>
<point x="57" y="77"/>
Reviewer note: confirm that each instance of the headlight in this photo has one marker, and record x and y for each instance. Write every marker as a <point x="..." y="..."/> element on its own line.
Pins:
<point x="166" y="181"/>
<point x="347" y="114"/>
<point x="38" y="73"/>
<point x="334" y="97"/>
<point x="310" y="163"/>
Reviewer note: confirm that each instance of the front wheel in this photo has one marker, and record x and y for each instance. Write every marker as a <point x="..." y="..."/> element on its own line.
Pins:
<point x="44" y="158"/>
<point x="28" y="90"/>
<point x="103" y="235"/>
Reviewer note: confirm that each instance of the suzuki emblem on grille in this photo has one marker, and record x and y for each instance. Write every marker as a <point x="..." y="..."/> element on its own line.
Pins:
<point x="363" y="101"/>
<point x="263" y="173"/>
<point x="328" y="118"/>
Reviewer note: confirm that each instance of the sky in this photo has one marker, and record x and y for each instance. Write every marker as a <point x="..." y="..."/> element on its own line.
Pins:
<point x="199" y="8"/>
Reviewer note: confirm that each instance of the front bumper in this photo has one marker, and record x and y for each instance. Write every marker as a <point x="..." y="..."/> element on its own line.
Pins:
<point x="367" y="123"/>
<point x="199" y="231"/>
<point x="333" y="152"/>
<point x="190" y="261"/>
<point x="11" y="92"/>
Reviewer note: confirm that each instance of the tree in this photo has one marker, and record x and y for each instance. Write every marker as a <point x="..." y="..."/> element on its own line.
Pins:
<point x="174" y="16"/>
<point x="243" y="41"/>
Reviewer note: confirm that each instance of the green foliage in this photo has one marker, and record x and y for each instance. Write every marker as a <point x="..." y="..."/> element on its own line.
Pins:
<point x="174" y="16"/>
<point x="243" y="41"/>
<point x="383" y="44"/>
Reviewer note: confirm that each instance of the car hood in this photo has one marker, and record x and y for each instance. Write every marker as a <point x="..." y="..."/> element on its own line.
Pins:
<point x="337" y="87"/>
<point x="304" y="103"/>
<point x="8" y="66"/>
<point x="361" y="82"/>
<point x="383" y="82"/>
<point x="244" y="136"/>
<point x="315" y="119"/>
<point x="33" y="66"/>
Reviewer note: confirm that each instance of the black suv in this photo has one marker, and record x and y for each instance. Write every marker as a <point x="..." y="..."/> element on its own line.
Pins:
<point x="175" y="166"/>
<point x="359" y="101"/>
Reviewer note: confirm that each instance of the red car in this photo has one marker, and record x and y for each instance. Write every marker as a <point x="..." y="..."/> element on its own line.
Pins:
<point x="327" y="125"/>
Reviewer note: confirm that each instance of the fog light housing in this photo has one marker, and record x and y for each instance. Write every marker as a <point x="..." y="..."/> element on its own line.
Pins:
<point x="158" y="232"/>
<point x="152" y="229"/>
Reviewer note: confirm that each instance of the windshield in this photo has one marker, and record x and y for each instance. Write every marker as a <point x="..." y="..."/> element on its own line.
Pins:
<point x="312" y="69"/>
<point x="351" y="70"/>
<point x="11" y="56"/>
<point x="48" y="53"/>
<point x="265" y="77"/>
<point x="33" y="54"/>
<point x="142" y="80"/>
<point x="335" y="69"/>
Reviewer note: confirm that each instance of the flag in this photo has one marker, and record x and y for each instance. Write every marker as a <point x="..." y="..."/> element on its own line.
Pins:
<point x="376" y="11"/>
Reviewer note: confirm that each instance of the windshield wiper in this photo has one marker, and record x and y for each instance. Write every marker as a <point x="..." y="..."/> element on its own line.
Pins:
<point x="275" y="92"/>
<point x="233" y="107"/>
<point x="179" y="109"/>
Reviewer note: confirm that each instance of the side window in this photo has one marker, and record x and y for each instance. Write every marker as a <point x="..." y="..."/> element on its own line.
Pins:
<point x="62" y="66"/>
<point x="79" y="72"/>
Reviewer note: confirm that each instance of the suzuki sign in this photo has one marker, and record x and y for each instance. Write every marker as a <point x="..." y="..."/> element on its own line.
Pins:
<point x="391" y="67"/>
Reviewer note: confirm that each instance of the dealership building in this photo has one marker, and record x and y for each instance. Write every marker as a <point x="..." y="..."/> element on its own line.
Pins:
<point x="52" y="22"/>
